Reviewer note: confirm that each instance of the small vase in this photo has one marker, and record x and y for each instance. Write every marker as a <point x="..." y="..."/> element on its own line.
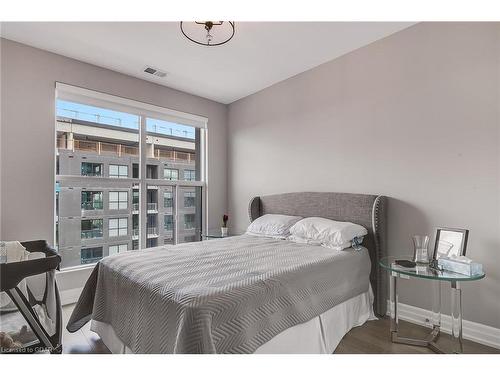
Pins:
<point x="223" y="231"/>
<point x="420" y="252"/>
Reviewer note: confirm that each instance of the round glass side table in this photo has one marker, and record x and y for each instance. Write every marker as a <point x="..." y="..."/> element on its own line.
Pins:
<point x="425" y="272"/>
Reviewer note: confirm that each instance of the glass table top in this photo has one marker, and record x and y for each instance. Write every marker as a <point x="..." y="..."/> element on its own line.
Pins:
<point x="424" y="271"/>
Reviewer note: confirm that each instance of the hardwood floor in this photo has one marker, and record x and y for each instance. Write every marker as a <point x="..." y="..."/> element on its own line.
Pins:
<point x="83" y="341"/>
<point x="371" y="338"/>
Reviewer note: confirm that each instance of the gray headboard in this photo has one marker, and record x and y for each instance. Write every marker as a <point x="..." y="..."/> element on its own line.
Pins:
<point x="366" y="210"/>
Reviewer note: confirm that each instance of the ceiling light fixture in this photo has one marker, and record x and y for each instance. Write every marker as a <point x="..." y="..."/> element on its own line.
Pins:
<point x="208" y="33"/>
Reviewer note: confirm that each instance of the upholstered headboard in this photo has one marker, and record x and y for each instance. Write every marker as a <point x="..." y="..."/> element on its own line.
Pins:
<point x="366" y="210"/>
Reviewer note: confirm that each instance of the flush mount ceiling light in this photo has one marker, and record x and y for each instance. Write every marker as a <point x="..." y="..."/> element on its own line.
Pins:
<point x="208" y="33"/>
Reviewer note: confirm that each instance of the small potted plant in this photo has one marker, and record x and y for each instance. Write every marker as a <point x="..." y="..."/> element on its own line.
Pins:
<point x="223" y="229"/>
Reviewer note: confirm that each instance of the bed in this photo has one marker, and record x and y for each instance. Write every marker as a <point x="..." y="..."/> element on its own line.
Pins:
<point x="242" y="294"/>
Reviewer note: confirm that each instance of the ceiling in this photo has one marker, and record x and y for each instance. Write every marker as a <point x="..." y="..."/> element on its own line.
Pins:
<point x="260" y="54"/>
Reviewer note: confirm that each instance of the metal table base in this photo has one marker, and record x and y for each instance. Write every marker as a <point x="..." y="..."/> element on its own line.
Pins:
<point x="430" y="340"/>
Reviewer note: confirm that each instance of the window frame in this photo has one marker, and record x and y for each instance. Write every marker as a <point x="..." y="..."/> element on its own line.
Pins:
<point x="144" y="111"/>
<point x="92" y="201"/>
<point x="165" y="168"/>
<point x="93" y="248"/>
<point x="191" y="173"/>
<point x="190" y="222"/>
<point x="189" y="196"/>
<point x="165" y="222"/>
<point x="93" y="165"/>
<point x="119" y="167"/>
<point x="101" y="228"/>
<point x="169" y="199"/>
<point x="119" y="201"/>
<point x="119" y="227"/>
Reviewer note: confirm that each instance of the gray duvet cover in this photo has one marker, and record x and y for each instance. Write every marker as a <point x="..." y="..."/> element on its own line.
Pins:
<point x="220" y="296"/>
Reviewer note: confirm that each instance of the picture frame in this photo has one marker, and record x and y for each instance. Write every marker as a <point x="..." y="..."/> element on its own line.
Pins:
<point x="450" y="242"/>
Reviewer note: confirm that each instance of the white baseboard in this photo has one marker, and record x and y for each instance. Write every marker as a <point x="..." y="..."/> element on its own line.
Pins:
<point x="473" y="331"/>
<point x="70" y="296"/>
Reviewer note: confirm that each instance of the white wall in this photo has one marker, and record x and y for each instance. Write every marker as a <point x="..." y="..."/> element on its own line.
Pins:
<point x="415" y="117"/>
<point x="28" y="142"/>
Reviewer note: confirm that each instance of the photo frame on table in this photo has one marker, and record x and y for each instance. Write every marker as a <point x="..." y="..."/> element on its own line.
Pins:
<point x="450" y="242"/>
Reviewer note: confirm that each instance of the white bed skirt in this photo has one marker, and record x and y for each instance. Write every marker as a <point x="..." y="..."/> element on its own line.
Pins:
<point x="320" y="335"/>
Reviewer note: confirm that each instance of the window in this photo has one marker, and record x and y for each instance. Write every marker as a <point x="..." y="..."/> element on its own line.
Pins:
<point x="91" y="200"/>
<point x="90" y="255"/>
<point x="152" y="172"/>
<point x="152" y="242"/>
<point x="189" y="221"/>
<point x="92" y="169"/>
<point x="135" y="200"/>
<point x="118" y="227"/>
<point x="115" y="249"/>
<point x="118" y="200"/>
<point x="189" y="199"/>
<point x="169" y="222"/>
<point x="98" y="135"/>
<point x="171" y="174"/>
<point x="189" y="175"/>
<point x="168" y="199"/>
<point x="91" y="228"/>
<point x="118" y="171"/>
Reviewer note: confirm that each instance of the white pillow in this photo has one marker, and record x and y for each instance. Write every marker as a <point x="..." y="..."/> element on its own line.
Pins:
<point x="337" y="235"/>
<point x="271" y="225"/>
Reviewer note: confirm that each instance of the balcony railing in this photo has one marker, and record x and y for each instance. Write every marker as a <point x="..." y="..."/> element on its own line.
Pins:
<point x="152" y="207"/>
<point x="107" y="148"/>
<point x="151" y="231"/>
<point x="91" y="174"/>
<point x="95" y="205"/>
<point x="91" y="233"/>
<point x="175" y="156"/>
<point x="135" y="206"/>
<point x="189" y="225"/>
<point x="97" y="147"/>
<point x="135" y="232"/>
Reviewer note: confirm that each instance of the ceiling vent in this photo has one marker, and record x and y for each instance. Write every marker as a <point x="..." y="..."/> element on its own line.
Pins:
<point x="155" y="72"/>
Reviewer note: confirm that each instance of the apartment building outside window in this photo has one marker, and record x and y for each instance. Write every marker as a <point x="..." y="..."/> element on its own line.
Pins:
<point x="171" y="174"/>
<point x="126" y="144"/>
<point x="189" y="221"/>
<point x="118" y="200"/>
<point x="92" y="169"/>
<point x="135" y="200"/>
<point x="118" y="227"/>
<point x="189" y="175"/>
<point x="168" y="199"/>
<point x="152" y="172"/>
<point x="115" y="249"/>
<point x="168" y="222"/>
<point x="90" y="255"/>
<point x="91" y="228"/>
<point x="91" y="200"/>
<point x="189" y="199"/>
<point x="118" y="171"/>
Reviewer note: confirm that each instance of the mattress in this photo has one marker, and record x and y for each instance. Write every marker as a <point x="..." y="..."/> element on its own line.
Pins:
<point x="221" y="296"/>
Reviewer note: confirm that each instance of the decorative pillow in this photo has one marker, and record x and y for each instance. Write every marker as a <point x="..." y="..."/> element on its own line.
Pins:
<point x="337" y="235"/>
<point x="271" y="225"/>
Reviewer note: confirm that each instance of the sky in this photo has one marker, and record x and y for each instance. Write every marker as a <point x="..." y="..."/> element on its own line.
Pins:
<point x="109" y="117"/>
